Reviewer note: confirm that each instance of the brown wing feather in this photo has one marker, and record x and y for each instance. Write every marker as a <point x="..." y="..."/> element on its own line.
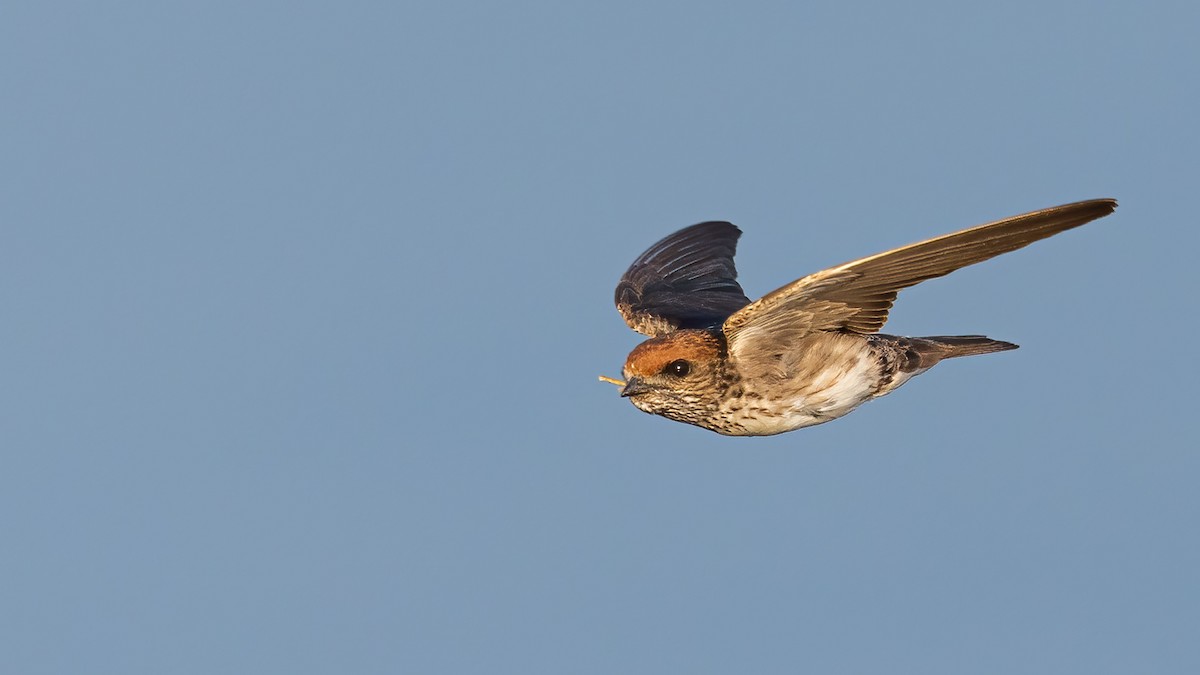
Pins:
<point x="857" y="295"/>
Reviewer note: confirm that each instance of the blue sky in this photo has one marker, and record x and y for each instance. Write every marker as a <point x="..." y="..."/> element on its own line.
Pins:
<point x="304" y="305"/>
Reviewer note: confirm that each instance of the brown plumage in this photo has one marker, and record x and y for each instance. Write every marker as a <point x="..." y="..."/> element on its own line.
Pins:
<point x="805" y="353"/>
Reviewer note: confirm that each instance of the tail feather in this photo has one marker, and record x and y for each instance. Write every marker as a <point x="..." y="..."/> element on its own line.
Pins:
<point x="925" y="352"/>
<point x="952" y="346"/>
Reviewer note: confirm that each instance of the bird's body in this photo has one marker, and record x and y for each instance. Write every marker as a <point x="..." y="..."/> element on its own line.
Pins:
<point x="818" y="378"/>
<point x="806" y="353"/>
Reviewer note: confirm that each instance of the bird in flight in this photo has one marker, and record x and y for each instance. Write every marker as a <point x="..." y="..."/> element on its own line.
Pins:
<point x="803" y="354"/>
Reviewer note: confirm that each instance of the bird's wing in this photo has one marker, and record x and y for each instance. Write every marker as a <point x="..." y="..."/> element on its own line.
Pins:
<point x="686" y="280"/>
<point x="856" y="296"/>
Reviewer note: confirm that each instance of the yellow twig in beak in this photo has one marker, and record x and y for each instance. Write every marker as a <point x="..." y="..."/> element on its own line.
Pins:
<point x="609" y="380"/>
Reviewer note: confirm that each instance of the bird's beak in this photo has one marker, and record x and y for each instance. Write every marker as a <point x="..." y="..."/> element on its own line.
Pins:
<point x="635" y="386"/>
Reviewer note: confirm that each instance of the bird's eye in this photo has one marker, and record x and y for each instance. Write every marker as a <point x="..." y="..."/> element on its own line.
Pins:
<point x="678" y="368"/>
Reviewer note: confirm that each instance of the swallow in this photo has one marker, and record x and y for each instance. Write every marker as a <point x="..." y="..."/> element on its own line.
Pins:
<point x="808" y="352"/>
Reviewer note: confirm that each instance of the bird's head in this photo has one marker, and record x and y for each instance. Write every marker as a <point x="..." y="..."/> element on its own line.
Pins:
<point x="677" y="375"/>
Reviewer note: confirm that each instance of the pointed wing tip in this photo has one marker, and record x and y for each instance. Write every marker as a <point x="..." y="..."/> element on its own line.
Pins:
<point x="1086" y="211"/>
<point x="1104" y="205"/>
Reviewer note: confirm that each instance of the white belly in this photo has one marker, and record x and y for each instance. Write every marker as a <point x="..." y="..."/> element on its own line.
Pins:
<point x="826" y="395"/>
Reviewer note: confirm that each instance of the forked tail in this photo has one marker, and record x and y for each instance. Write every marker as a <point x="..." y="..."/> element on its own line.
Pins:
<point x="950" y="346"/>
<point x="919" y="354"/>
